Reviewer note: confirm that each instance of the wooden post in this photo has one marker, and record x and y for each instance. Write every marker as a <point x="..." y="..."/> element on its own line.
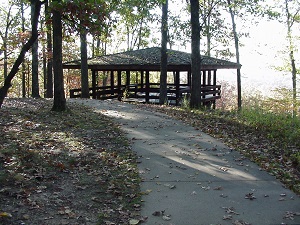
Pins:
<point x="204" y="78"/>
<point x="215" y="77"/>
<point x="142" y="79"/>
<point x="214" y="83"/>
<point x="209" y="78"/>
<point x="203" y="83"/>
<point x="127" y="78"/>
<point x="147" y="90"/>
<point x="177" y="84"/>
<point x="112" y="82"/>
<point x="189" y="78"/>
<point x="119" y="91"/>
<point x="94" y="84"/>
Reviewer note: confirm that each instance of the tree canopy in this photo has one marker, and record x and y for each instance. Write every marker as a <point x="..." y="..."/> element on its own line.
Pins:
<point x="117" y="25"/>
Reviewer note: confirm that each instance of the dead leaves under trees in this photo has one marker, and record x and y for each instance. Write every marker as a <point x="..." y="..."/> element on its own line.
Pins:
<point x="72" y="167"/>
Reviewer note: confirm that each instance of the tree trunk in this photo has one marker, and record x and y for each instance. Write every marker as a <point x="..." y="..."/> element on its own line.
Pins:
<point x="4" y="39"/>
<point x="292" y="58"/>
<point x="195" y="101"/>
<point x="294" y="81"/>
<point x="35" y="61"/>
<point x="208" y="28"/>
<point x="5" y="59"/>
<point x="237" y="53"/>
<point x="49" y="85"/>
<point x="44" y="69"/>
<point x="23" y="63"/>
<point x="164" y="56"/>
<point x="24" y="50"/>
<point x="59" y="103"/>
<point x="84" y="66"/>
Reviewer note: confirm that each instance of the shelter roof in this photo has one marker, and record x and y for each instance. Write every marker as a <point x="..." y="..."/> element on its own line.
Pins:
<point x="149" y="59"/>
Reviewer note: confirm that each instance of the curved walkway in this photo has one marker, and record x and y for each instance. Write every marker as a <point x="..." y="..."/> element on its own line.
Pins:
<point x="190" y="178"/>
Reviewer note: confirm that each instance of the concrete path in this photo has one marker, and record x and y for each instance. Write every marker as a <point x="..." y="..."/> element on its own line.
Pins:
<point x="190" y="178"/>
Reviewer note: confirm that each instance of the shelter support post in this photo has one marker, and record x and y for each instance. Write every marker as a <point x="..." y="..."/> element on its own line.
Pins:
<point x="189" y="78"/>
<point x="127" y="78"/>
<point x="112" y="81"/>
<point x="209" y="78"/>
<point x="177" y="86"/>
<point x="142" y="79"/>
<point x="214" y="83"/>
<point x="203" y="82"/>
<point x="94" y="84"/>
<point x="147" y="90"/>
<point x="119" y="85"/>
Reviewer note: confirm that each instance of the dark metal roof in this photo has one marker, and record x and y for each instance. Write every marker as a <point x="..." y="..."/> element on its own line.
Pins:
<point x="149" y="59"/>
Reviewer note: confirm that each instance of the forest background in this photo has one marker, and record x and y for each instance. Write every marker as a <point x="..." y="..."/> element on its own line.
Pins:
<point x="261" y="26"/>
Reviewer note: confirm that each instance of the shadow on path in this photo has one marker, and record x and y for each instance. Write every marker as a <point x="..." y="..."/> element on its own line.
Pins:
<point x="190" y="178"/>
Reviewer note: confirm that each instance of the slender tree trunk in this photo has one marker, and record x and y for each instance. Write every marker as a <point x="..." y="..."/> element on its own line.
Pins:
<point x="5" y="59"/>
<point x="237" y="53"/>
<point x="24" y="50"/>
<point x="49" y="85"/>
<point x="59" y="103"/>
<point x="45" y="69"/>
<point x="195" y="101"/>
<point x="208" y="28"/>
<point x="292" y="58"/>
<point x="84" y="66"/>
<point x="23" y="63"/>
<point x="128" y="38"/>
<point x="208" y="37"/>
<point x="35" y="62"/>
<point x="140" y="34"/>
<point x="98" y="47"/>
<point x="5" y="38"/>
<point x="164" y="56"/>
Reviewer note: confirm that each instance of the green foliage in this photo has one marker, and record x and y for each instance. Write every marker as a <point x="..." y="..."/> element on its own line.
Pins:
<point x="185" y="104"/>
<point x="270" y="115"/>
<point x="79" y="14"/>
<point x="277" y="126"/>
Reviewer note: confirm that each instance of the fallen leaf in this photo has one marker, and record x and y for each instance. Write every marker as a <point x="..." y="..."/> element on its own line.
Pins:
<point x="156" y="213"/>
<point x="166" y="218"/>
<point x="26" y="217"/>
<point x="218" y="188"/>
<point x="250" y="196"/>
<point x="239" y="222"/>
<point x="133" y="222"/>
<point x="5" y="214"/>
<point x="227" y="217"/>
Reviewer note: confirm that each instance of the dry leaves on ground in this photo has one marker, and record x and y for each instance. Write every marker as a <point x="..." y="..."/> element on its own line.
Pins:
<point x="74" y="167"/>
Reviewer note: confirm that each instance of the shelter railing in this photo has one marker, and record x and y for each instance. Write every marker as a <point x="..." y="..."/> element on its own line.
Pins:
<point x="150" y="92"/>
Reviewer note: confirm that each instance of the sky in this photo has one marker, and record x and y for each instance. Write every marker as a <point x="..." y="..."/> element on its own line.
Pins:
<point x="260" y="54"/>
